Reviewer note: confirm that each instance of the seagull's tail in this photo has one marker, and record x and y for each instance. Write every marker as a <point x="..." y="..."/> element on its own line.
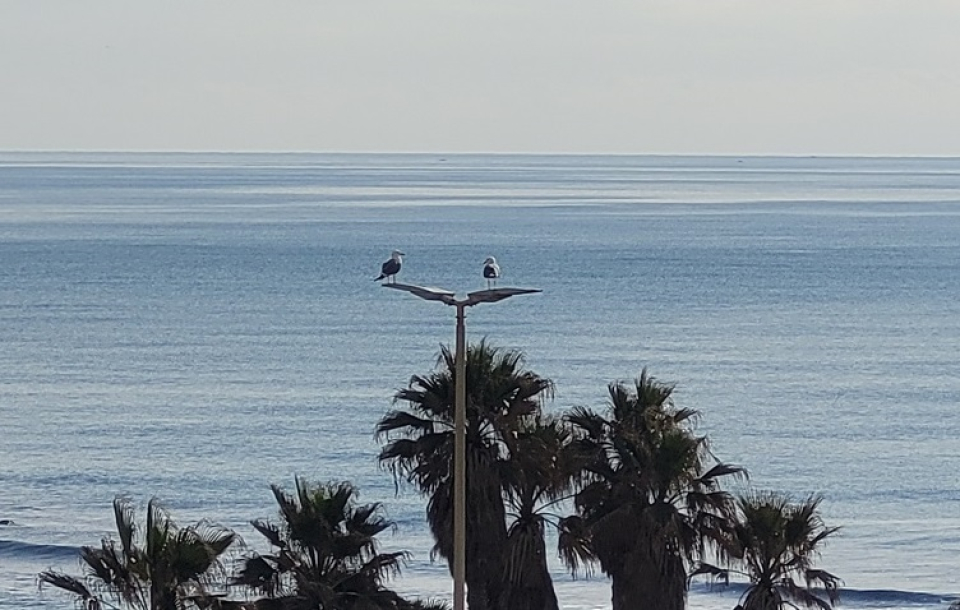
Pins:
<point x="376" y="279"/>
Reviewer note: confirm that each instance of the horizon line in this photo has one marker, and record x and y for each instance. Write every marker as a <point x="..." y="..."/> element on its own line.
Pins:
<point x="753" y="155"/>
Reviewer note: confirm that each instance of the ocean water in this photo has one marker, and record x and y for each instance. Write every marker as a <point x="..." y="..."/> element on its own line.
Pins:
<point x="197" y="327"/>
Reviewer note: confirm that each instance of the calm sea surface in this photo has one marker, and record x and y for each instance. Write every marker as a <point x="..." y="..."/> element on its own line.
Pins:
<point x="197" y="327"/>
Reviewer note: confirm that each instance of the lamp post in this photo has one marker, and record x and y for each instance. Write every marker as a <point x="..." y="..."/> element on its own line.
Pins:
<point x="460" y="416"/>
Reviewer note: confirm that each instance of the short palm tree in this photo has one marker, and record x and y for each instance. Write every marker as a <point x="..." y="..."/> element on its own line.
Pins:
<point x="501" y="394"/>
<point x="651" y="500"/>
<point x="165" y="567"/>
<point x="541" y="474"/>
<point x="776" y="541"/>
<point x="324" y="553"/>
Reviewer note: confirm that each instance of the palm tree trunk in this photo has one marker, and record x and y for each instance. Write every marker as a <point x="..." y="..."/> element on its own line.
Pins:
<point x="532" y="589"/>
<point x="526" y="579"/>
<point x="643" y="582"/>
<point x="486" y="536"/>
<point x="484" y="563"/>
<point x="477" y="596"/>
<point x="162" y="599"/>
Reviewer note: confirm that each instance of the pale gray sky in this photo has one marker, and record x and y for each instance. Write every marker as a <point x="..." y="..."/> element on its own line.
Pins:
<point x="867" y="77"/>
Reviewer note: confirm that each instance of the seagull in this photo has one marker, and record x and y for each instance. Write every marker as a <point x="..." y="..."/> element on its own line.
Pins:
<point x="491" y="271"/>
<point x="391" y="268"/>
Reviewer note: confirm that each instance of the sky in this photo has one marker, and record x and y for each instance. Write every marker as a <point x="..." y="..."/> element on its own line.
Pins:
<point x="794" y="77"/>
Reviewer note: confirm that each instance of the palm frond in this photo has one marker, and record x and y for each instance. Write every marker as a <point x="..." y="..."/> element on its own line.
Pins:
<point x="124" y="517"/>
<point x="716" y="573"/>
<point x="69" y="584"/>
<point x="829" y="582"/>
<point x="807" y="597"/>
<point x="574" y="545"/>
<point x="724" y="470"/>
<point x="269" y="531"/>
<point x="419" y="604"/>
<point x="408" y="422"/>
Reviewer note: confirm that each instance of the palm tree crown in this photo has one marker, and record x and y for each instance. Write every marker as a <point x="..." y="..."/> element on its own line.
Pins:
<point x="325" y="552"/>
<point x="650" y="501"/>
<point x="776" y="541"/>
<point x="165" y="568"/>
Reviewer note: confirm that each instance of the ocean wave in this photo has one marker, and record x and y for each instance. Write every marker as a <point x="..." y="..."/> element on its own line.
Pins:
<point x="892" y="597"/>
<point x="26" y="550"/>
<point x="871" y="598"/>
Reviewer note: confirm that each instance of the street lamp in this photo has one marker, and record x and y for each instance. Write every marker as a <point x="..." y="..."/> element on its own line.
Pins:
<point x="460" y="416"/>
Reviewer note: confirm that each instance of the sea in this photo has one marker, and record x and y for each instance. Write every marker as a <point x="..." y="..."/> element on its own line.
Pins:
<point x="197" y="327"/>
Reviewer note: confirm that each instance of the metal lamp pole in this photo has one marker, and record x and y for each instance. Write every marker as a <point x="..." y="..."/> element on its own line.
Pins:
<point x="460" y="416"/>
<point x="460" y="465"/>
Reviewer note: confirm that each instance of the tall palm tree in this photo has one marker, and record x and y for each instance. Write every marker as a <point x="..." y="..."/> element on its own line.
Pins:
<point x="501" y="394"/>
<point x="164" y="568"/>
<point x="651" y="500"/>
<point x="324" y="553"/>
<point x="776" y="541"/>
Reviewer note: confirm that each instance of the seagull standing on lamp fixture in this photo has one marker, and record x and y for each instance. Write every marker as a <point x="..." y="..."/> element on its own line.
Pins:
<point x="491" y="271"/>
<point x="391" y="268"/>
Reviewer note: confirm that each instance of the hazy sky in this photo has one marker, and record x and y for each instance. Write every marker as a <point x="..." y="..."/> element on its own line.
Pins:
<point x="621" y="76"/>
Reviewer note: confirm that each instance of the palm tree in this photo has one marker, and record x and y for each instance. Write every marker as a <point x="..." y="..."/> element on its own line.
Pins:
<point x="324" y="553"/>
<point x="650" y="502"/>
<point x="776" y="541"/>
<point x="419" y="449"/>
<point x="167" y="568"/>
<point x="541" y="474"/>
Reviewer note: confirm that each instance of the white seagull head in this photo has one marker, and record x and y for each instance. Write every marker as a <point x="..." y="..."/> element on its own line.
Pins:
<point x="396" y="254"/>
<point x="490" y="261"/>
